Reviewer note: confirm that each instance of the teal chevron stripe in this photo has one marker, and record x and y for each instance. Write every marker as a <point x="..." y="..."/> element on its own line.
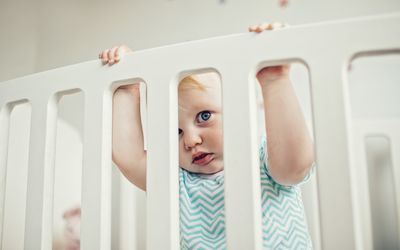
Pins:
<point x="215" y="240"/>
<point x="206" y="202"/>
<point x="208" y="190"/>
<point x="190" y="226"/>
<point x="201" y="213"/>
<point x="194" y="220"/>
<point x="280" y="202"/>
<point x="275" y="229"/>
<point x="209" y="207"/>
<point x="204" y="243"/>
<point x="283" y="216"/>
<point x="276" y="189"/>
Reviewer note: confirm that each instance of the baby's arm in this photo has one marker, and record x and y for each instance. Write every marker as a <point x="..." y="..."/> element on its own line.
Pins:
<point x="290" y="148"/>
<point x="127" y="136"/>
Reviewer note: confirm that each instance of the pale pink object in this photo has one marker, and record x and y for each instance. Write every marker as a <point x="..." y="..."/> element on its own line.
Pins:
<point x="283" y="3"/>
<point x="72" y="231"/>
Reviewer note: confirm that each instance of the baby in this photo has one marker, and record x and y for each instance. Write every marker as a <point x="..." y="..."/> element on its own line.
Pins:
<point x="285" y="164"/>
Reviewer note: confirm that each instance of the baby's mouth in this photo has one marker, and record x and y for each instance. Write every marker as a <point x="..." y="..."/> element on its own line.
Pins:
<point x="202" y="158"/>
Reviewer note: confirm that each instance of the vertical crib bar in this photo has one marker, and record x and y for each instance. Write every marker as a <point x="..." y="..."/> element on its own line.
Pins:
<point x="96" y="174"/>
<point x="162" y="165"/>
<point x="242" y="177"/>
<point x="329" y="101"/>
<point x="40" y="185"/>
<point x="128" y="232"/>
<point x="360" y="131"/>
<point x="395" y="154"/>
<point x="5" y="111"/>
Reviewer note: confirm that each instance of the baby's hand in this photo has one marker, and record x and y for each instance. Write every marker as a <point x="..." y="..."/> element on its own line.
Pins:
<point x="271" y="73"/>
<point x="114" y="55"/>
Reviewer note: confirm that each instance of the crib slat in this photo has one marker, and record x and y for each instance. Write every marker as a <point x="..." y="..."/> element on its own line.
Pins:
<point x="395" y="153"/>
<point x="360" y="159"/>
<point x="392" y="129"/>
<point x="96" y="173"/>
<point x="242" y="176"/>
<point x="4" y="137"/>
<point x="332" y="151"/>
<point x="162" y="164"/>
<point x="40" y="178"/>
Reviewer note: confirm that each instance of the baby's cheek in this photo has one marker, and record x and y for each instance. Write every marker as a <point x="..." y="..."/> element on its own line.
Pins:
<point x="181" y="159"/>
<point x="217" y="139"/>
<point x="185" y="163"/>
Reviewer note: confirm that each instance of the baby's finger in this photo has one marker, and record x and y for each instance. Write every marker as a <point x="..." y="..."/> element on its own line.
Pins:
<point x="257" y="28"/>
<point x="119" y="52"/>
<point x="253" y="28"/>
<point x="104" y="56"/>
<point x="266" y="26"/>
<point x="111" y="55"/>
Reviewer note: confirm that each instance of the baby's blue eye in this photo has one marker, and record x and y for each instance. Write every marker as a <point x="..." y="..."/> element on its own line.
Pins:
<point x="203" y="116"/>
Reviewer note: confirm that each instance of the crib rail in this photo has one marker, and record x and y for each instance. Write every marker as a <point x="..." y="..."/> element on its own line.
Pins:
<point x="236" y="58"/>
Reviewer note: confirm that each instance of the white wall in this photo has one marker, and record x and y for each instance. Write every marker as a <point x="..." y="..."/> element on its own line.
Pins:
<point x="18" y="38"/>
<point x="37" y="35"/>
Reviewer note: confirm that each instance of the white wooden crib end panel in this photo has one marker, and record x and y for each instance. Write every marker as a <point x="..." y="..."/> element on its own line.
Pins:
<point x="162" y="163"/>
<point x="96" y="173"/>
<point x="241" y="161"/>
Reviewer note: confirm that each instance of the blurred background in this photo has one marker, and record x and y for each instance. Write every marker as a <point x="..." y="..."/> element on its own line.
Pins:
<point x="39" y="35"/>
<point x="36" y="35"/>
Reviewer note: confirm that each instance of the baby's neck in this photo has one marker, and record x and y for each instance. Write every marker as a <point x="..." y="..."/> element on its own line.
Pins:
<point x="210" y="176"/>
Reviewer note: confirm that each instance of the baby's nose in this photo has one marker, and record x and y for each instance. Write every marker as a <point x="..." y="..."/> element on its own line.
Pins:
<point x="191" y="140"/>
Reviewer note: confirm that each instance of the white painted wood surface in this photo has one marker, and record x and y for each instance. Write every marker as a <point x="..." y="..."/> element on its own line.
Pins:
<point x="236" y="58"/>
<point x="389" y="129"/>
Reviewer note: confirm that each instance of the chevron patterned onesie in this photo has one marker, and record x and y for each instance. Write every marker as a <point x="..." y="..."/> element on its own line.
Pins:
<point x="202" y="211"/>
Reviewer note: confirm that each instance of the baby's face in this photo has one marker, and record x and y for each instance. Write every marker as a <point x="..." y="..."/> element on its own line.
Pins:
<point x="200" y="126"/>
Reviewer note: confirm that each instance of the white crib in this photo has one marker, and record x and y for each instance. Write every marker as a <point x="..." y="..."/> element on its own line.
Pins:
<point x="343" y="210"/>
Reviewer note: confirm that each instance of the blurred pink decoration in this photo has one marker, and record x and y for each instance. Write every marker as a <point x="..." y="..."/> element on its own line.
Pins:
<point x="283" y="3"/>
<point x="72" y="231"/>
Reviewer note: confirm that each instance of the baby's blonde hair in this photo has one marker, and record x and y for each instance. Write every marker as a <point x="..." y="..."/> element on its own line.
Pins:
<point x="189" y="82"/>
